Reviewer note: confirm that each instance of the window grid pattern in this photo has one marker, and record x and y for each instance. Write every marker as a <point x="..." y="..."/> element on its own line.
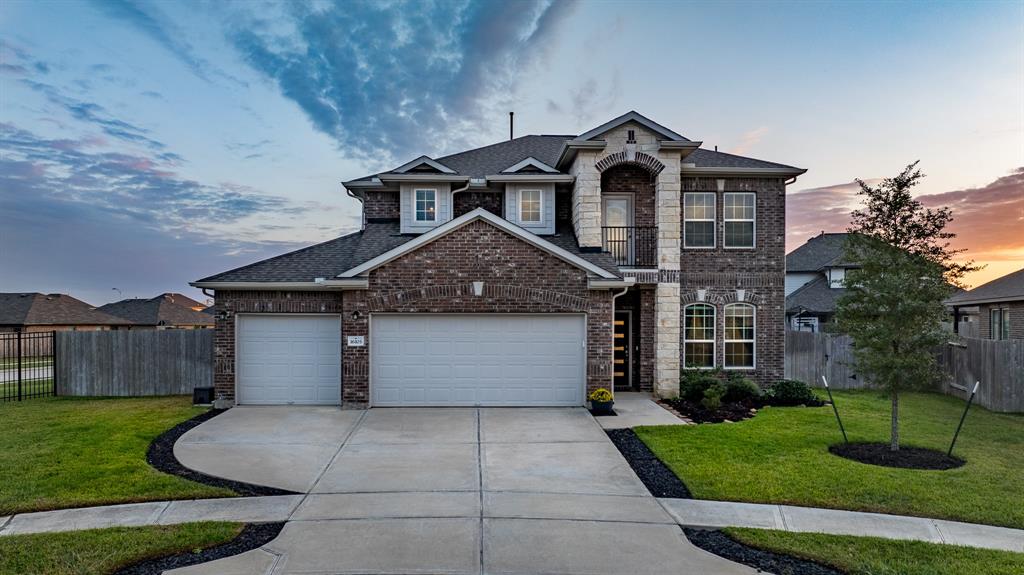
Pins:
<point x="738" y="211"/>
<point x="739" y="335"/>
<point x="699" y="336"/>
<point x="699" y="220"/>
<point x="530" y="206"/>
<point x="426" y="205"/>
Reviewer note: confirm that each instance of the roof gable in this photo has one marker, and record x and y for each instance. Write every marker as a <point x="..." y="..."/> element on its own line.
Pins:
<point x="633" y="116"/>
<point x="475" y="215"/>
<point x="423" y="164"/>
<point x="529" y="164"/>
<point x="821" y="251"/>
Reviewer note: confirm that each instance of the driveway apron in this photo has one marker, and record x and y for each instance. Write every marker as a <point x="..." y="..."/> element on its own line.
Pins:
<point x="438" y="490"/>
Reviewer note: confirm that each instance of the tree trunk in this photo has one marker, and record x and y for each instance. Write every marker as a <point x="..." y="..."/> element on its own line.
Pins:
<point x="894" y="442"/>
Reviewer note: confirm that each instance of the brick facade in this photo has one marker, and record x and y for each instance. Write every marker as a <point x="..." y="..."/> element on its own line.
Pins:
<point x="382" y="205"/>
<point x="1014" y="309"/>
<point x="638" y="181"/>
<point x="722" y="275"/>
<point x="466" y="202"/>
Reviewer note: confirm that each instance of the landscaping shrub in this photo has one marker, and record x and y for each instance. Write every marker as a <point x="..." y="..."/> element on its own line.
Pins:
<point x="789" y="392"/>
<point x="740" y="388"/>
<point x="713" y="396"/>
<point x="694" y="383"/>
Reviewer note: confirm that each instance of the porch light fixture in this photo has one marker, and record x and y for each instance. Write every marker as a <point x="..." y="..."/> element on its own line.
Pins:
<point x="355" y="315"/>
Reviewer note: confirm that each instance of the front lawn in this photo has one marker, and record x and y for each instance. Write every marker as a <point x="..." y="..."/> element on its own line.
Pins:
<point x="104" y="551"/>
<point x="874" y="556"/>
<point x="70" y="452"/>
<point x="781" y="456"/>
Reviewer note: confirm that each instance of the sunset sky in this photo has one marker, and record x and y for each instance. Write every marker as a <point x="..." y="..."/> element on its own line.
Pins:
<point x="144" y="145"/>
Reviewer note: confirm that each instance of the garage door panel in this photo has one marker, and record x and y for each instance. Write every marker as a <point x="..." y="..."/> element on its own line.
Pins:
<point x="483" y="359"/>
<point x="289" y="359"/>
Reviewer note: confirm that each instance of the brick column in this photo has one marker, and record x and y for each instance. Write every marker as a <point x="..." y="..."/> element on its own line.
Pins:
<point x="666" y="307"/>
<point x="586" y="206"/>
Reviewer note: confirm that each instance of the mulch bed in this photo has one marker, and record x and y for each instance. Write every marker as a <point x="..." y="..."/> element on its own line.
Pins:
<point x="724" y="546"/>
<point x="906" y="457"/>
<point x="735" y="411"/>
<point x="654" y="474"/>
<point x="161" y="456"/>
<point x="253" y="536"/>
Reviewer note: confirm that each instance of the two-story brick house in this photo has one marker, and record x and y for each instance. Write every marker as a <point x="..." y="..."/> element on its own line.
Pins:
<point x="527" y="272"/>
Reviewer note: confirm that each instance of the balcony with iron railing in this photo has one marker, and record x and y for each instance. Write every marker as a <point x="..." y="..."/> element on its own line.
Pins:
<point x="631" y="246"/>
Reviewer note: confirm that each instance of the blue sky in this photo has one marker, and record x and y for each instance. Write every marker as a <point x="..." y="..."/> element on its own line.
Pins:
<point x="147" y="144"/>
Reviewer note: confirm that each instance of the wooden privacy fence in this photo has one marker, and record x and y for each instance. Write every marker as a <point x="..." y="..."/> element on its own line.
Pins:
<point x="133" y="363"/>
<point x="998" y="365"/>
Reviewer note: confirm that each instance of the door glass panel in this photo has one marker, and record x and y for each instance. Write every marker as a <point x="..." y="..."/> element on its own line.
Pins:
<point x="616" y="212"/>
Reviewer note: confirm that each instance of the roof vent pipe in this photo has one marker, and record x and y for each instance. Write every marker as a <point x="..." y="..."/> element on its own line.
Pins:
<point x="511" y="124"/>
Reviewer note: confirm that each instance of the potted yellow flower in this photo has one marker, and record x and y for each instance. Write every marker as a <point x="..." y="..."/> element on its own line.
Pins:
<point x="601" y="401"/>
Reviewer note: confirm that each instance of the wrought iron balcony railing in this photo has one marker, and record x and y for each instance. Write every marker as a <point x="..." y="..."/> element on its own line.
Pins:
<point x="632" y="246"/>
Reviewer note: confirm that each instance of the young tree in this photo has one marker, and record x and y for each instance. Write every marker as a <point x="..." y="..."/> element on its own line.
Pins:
<point x="892" y="308"/>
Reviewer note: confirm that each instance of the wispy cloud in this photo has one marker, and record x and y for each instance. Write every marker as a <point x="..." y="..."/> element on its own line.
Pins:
<point x="749" y="139"/>
<point x="387" y="80"/>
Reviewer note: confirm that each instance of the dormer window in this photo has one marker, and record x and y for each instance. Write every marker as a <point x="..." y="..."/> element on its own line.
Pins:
<point x="426" y="205"/>
<point x="530" y="206"/>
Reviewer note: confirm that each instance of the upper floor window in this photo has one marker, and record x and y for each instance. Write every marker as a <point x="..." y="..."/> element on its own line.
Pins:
<point x="530" y="206"/>
<point x="426" y="205"/>
<point x="739" y="335"/>
<point x="699" y="220"/>
<point x="738" y="219"/>
<point x="1000" y="323"/>
<point x="699" y="336"/>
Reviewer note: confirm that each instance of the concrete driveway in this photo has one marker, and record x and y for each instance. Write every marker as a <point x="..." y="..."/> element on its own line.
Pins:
<point x="403" y="491"/>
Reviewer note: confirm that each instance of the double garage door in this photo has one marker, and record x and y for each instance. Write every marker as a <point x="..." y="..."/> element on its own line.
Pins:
<point x="417" y="359"/>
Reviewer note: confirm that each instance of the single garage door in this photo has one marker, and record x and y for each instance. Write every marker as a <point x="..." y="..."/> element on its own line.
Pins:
<point x="285" y="359"/>
<point x="477" y="359"/>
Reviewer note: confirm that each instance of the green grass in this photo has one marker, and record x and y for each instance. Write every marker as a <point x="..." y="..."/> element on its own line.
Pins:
<point x="874" y="556"/>
<point x="102" y="551"/>
<point x="12" y="362"/>
<point x="781" y="456"/>
<point x="68" y="452"/>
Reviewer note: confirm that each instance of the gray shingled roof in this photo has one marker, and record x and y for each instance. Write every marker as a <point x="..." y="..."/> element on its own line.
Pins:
<point x="164" y="309"/>
<point x="21" y="309"/>
<point x="493" y="159"/>
<point x="565" y="238"/>
<point x="819" y="252"/>
<point x="815" y="297"/>
<point x="1010" y="286"/>
<point x="713" y="159"/>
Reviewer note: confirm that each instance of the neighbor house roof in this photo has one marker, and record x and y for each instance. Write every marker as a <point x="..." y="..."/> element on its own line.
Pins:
<point x="820" y="252"/>
<point x="1007" y="288"/>
<point x="183" y="300"/>
<point x="164" y="309"/>
<point x="24" y="309"/>
<point x="814" y="297"/>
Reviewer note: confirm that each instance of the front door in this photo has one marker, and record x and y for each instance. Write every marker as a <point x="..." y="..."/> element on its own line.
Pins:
<point x="621" y="350"/>
<point x="618" y="231"/>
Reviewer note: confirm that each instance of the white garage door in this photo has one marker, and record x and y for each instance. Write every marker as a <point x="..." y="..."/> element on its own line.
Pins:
<point x="484" y="359"/>
<point x="283" y="359"/>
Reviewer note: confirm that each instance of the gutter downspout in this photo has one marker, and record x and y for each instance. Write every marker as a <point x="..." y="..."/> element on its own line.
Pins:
<point x="362" y="217"/>
<point x="615" y="297"/>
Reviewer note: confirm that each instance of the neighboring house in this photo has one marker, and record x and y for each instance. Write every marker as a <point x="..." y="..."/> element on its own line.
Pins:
<point x="998" y="305"/>
<point x="815" y="273"/>
<point x="165" y="311"/>
<point x="527" y="272"/>
<point x="32" y="312"/>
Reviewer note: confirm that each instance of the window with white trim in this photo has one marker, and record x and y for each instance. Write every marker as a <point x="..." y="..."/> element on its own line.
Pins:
<point x="699" y="336"/>
<point x="530" y="205"/>
<point x="738" y="219"/>
<point x="426" y="205"/>
<point x="739" y="336"/>
<point x="699" y="220"/>
<point x="999" y="326"/>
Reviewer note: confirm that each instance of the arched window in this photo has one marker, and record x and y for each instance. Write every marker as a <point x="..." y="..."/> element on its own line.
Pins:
<point x="740" y="323"/>
<point x="699" y="336"/>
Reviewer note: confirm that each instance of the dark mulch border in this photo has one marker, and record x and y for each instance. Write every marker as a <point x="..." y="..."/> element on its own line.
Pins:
<point x="253" y="536"/>
<point x="906" y="458"/>
<point x="160" y="455"/>
<point x="724" y="546"/>
<point x="654" y="474"/>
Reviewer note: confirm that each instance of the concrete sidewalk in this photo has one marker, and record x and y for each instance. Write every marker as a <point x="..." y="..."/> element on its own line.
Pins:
<point x="718" y="514"/>
<point x="685" y="512"/>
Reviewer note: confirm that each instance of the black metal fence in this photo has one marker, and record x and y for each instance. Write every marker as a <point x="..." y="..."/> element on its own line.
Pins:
<point x="632" y="246"/>
<point x="27" y="364"/>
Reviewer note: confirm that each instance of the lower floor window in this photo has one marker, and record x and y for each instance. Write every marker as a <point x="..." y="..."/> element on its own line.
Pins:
<point x="699" y="336"/>
<point x="1000" y="323"/>
<point x="739" y="335"/>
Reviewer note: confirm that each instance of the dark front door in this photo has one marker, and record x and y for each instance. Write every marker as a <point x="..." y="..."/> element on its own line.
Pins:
<point x="622" y="344"/>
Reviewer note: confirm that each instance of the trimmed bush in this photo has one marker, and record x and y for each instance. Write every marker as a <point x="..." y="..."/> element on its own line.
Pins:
<point x="789" y="392"/>
<point x="694" y="383"/>
<point x="712" y="399"/>
<point x="740" y="388"/>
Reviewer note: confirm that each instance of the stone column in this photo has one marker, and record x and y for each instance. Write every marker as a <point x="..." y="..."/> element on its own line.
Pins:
<point x="586" y="206"/>
<point x="666" y="309"/>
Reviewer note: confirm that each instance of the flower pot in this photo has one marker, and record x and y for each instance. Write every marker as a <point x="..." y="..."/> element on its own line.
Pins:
<point x="601" y="407"/>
